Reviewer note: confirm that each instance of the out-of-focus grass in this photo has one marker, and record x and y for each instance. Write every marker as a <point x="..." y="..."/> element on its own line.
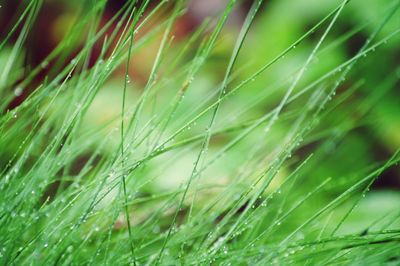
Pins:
<point x="139" y="141"/>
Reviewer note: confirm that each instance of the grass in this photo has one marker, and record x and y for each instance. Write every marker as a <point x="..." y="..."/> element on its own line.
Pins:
<point x="227" y="152"/>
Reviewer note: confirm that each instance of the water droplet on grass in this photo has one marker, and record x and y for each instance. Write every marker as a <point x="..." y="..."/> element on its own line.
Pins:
<point x="18" y="91"/>
<point x="44" y="64"/>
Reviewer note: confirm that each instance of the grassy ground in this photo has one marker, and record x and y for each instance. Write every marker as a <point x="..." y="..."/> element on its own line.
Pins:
<point x="265" y="134"/>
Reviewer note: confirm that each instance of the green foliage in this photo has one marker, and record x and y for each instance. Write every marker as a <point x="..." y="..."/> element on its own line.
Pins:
<point x="252" y="145"/>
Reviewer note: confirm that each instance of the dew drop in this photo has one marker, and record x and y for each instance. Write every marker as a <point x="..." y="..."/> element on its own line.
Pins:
<point x="18" y="91"/>
<point x="44" y="64"/>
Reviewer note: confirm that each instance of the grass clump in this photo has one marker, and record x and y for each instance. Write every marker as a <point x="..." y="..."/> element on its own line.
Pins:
<point x="263" y="138"/>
